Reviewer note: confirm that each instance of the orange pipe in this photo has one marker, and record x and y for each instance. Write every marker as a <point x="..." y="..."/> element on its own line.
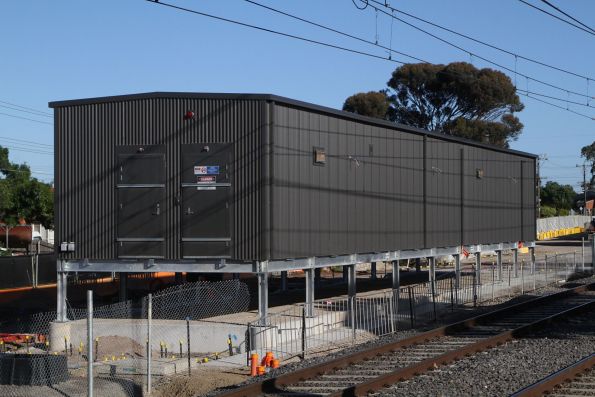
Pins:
<point x="253" y="364"/>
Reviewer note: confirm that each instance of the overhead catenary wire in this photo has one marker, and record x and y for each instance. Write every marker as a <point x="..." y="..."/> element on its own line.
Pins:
<point x="27" y="108"/>
<point x="49" y="146"/>
<point x="179" y="8"/>
<point x="473" y="54"/>
<point x="567" y="15"/>
<point x="557" y="17"/>
<point x="557" y="106"/>
<point x="305" y="39"/>
<point x="25" y="111"/>
<point x="484" y="43"/>
<point x="26" y="118"/>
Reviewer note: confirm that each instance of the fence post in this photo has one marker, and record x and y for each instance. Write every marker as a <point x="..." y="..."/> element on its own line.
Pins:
<point x="522" y="277"/>
<point x="432" y="277"/>
<point x="545" y="265"/>
<point x="149" y="353"/>
<point x="396" y="292"/>
<point x="474" y="285"/>
<point x="89" y="343"/>
<point x="411" y="312"/>
<point x="583" y="251"/>
<point x="351" y="293"/>
<point x="188" y="342"/>
<point x="457" y="277"/>
<point x="452" y="299"/>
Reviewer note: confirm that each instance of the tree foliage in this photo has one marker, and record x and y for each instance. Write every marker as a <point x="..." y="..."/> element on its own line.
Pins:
<point x="559" y="197"/>
<point x="22" y="196"/>
<point x="371" y="104"/>
<point x="456" y="99"/>
<point x="588" y="152"/>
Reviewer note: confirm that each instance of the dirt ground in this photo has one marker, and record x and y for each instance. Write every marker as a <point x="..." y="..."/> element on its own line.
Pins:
<point x="202" y="381"/>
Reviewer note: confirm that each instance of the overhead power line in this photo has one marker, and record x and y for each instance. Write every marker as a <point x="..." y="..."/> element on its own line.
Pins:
<point x="556" y="106"/>
<point x="333" y="30"/>
<point x="567" y="15"/>
<point x="48" y="146"/>
<point x="551" y="85"/>
<point x="311" y="40"/>
<point x="28" y="149"/>
<point x="484" y="43"/>
<point x="27" y="108"/>
<point x="321" y="43"/>
<point x="557" y="17"/>
<point x="26" y="118"/>
<point x="25" y="111"/>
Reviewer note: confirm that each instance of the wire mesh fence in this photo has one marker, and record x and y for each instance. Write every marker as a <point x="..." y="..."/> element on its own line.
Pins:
<point x="164" y="334"/>
<point x="334" y="323"/>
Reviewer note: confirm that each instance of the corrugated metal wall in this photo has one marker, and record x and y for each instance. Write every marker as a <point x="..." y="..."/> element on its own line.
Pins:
<point x="372" y="194"/>
<point x="380" y="189"/>
<point x="86" y="137"/>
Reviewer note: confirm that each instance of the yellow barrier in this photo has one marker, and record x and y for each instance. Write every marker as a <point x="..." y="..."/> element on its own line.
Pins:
<point x="559" y="233"/>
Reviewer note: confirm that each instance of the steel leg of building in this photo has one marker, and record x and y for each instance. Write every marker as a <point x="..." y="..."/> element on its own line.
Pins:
<point x="373" y="270"/>
<point x="122" y="295"/>
<point x="61" y="305"/>
<point x="515" y="264"/>
<point x="396" y="276"/>
<point x="317" y="276"/>
<point x="499" y="263"/>
<point x="593" y="252"/>
<point x="284" y="281"/>
<point x="417" y="264"/>
<point x="457" y="271"/>
<point x="263" y="297"/>
<point x="310" y="288"/>
<point x="432" y="269"/>
<point x="345" y="274"/>
<point x="351" y="293"/>
<point x="478" y="267"/>
<point x="532" y="252"/>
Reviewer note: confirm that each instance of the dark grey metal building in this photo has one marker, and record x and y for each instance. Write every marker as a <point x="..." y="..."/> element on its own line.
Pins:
<point x="182" y="176"/>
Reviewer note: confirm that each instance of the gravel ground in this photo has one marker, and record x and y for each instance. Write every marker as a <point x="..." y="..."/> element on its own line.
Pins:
<point x="458" y="315"/>
<point x="506" y="369"/>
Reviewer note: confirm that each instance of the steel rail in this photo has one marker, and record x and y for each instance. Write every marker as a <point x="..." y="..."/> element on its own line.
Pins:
<point x="277" y="384"/>
<point x="549" y="383"/>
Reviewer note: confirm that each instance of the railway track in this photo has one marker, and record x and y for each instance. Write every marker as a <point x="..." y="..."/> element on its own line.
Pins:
<point x="371" y="370"/>
<point x="576" y="380"/>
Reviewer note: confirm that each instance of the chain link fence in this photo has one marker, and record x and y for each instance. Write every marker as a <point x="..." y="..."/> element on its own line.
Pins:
<point x="164" y="334"/>
<point x="335" y="323"/>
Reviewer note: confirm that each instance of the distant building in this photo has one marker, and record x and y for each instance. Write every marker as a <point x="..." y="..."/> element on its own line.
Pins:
<point x="23" y="235"/>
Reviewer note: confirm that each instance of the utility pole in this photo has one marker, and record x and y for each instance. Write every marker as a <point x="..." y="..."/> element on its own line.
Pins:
<point x="541" y="157"/>
<point x="584" y="165"/>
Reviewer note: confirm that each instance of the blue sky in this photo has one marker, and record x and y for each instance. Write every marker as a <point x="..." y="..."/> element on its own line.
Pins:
<point x="54" y="50"/>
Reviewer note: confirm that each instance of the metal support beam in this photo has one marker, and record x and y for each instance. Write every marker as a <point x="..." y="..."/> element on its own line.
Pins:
<point x="122" y="295"/>
<point x="284" y="280"/>
<point x="373" y="269"/>
<point x="396" y="276"/>
<point x="317" y="276"/>
<point x="532" y="254"/>
<point x="310" y="288"/>
<point x="478" y="267"/>
<point x="432" y="270"/>
<point x="89" y="343"/>
<point x="263" y="297"/>
<point x="499" y="262"/>
<point x="457" y="271"/>
<point x="61" y="294"/>
<point x="592" y="252"/>
<point x="351" y="293"/>
<point x="515" y="264"/>
<point x="345" y="273"/>
<point x="396" y="284"/>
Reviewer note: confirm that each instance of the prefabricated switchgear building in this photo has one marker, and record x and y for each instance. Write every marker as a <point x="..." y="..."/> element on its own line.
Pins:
<point x="184" y="177"/>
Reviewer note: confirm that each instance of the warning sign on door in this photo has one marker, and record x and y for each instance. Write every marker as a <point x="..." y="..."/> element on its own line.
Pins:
<point x="200" y="170"/>
<point x="206" y="179"/>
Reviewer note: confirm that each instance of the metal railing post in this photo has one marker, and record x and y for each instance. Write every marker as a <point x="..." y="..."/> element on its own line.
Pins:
<point x="89" y="343"/>
<point x="149" y="325"/>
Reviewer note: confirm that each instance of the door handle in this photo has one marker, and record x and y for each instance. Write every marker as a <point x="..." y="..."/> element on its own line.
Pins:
<point x="189" y="211"/>
<point x="157" y="210"/>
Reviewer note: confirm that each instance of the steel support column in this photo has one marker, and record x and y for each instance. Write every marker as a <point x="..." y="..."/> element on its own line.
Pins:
<point x="478" y="267"/>
<point x="592" y="252"/>
<point x="457" y="271"/>
<point x="515" y="260"/>
<point x="310" y="290"/>
<point x="532" y="253"/>
<point x="351" y="293"/>
<point x="432" y="270"/>
<point x="373" y="269"/>
<point x="499" y="263"/>
<point x="317" y="278"/>
<point x="263" y="297"/>
<point x="284" y="280"/>
<point x="122" y="295"/>
<point x="61" y="294"/>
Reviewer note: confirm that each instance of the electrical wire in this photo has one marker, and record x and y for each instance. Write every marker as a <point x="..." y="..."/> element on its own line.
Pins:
<point x="471" y="53"/>
<point x="27" y="149"/>
<point x="333" y="30"/>
<point x="556" y="106"/>
<point x="321" y="43"/>
<point x="27" y="108"/>
<point x="27" y="142"/>
<point x="328" y="44"/>
<point x="360" y="8"/>
<point x="557" y="17"/>
<point x="492" y="46"/>
<point x="567" y="15"/>
<point x="25" y="111"/>
<point x="4" y="170"/>
<point x="26" y="118"/>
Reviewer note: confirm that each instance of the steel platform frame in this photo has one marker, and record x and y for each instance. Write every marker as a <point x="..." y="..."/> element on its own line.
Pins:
<point x="263" y="268"/>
